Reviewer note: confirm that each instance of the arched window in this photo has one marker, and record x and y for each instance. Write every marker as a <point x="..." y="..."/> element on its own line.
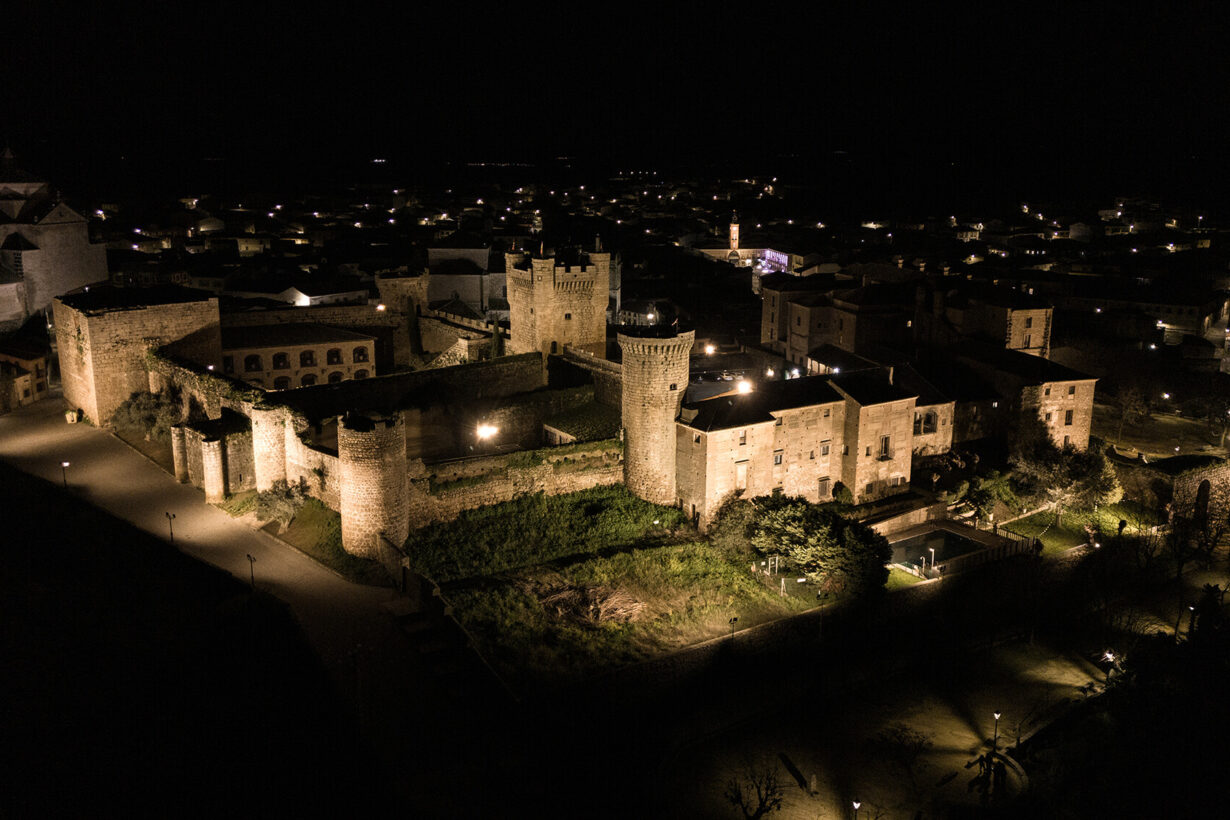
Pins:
<point x="252" y="363"/>
<point x="308" y="380"/>
<point x="335" y="377"/>
<point x="281" y="383"/>
<point x="281" y="361"/>
<point x="307" y="359"/>
<point x="360" y="374"/>
<point x="360" y="354"/>
<point x="334" y="356"/>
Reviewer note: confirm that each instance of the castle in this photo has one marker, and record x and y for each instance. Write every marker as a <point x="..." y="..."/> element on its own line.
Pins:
<point x="394" y="452"/>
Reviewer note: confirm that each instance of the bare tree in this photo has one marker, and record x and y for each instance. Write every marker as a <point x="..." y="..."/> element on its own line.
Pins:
<point x="756" y="790"/>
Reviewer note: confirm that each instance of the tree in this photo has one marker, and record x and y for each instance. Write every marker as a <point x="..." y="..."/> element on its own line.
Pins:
<point x="1130" y="402"/>
<point x="1063" y="477"/>
<point x="756" y="790"/>
<point x="985" y="492"/>
<point x="841" y="555"/>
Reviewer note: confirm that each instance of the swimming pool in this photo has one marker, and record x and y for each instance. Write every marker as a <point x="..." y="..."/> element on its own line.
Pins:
<point x="946" y="544"/>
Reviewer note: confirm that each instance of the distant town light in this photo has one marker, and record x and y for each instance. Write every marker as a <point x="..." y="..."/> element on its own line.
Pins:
<point x="710" y="350"/>
<point x="649" y="316"/>
<point x="769" y="373"/>
<point x="836" y="369"/>
<point x="486" y="431"/>
<point x="1165" y="395"/>
<point x="380" y="307"/>
<point x="745" y="386"/>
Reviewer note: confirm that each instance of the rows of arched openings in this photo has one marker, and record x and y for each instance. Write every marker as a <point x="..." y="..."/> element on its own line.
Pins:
<point x="282" y="361"/>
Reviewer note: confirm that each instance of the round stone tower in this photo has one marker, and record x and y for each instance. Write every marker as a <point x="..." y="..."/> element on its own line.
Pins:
<point x="371" y="451"/>
<point x="268" y="446"/>
<point x="655" y="376"/>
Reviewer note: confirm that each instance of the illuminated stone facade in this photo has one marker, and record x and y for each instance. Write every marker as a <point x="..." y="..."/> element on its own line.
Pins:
<point x="371" y="451"/>
<point x="553" y="306"/>
<point x="655" y="376"/>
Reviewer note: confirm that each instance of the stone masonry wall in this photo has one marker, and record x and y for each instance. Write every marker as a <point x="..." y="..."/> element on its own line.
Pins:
<point x="467" y="484"/>
<point x="390" y="327"/>
<point x="655" y="376"/>
<point x="103" y="353"/>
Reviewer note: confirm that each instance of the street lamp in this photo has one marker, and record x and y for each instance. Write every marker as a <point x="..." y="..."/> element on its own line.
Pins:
<point x="1109" y="657"/>
<point x="710" y="350"/>
<point x="732" y="623"/>
<point x="171" y="524"/>
<point x="932" y="557"/>
<point x="995" y="740"/>
<point x="252" y="570"/>
<point x="857" y="804"/>
<point x="64" y="473"/>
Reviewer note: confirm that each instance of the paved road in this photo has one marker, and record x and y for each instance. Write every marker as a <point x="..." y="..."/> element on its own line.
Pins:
<point x="373" y="665"/>
<point x="336" y="614"/>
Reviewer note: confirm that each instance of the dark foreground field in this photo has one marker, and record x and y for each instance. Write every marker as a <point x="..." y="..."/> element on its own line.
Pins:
<point x="140" y="682"/>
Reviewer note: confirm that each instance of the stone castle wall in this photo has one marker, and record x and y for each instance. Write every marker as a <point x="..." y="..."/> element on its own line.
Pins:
<point x="103" y="353"/>
<point x="372" y="460"/>
<point x="655" y="376"/>
<point x="466" y="484"/>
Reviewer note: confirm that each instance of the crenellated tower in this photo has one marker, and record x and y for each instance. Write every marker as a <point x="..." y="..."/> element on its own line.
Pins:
<point x="553" y="305"/>
<point x="655" y="376"/>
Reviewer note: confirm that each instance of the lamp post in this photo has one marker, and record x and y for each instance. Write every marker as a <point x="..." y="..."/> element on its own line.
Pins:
<point x="64" y="473"/>
<point x="1109" y="657"/>
<point x="252" y="570"/>
<point x="732" y="623"/>
<point x="171" y="524"/>
<point x="995" y="740"/>
<point x="932" y="549"/>
<point x="857" y="804"/>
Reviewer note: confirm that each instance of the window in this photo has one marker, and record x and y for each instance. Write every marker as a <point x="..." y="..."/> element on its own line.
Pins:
<point x="674" y="386"/>
<point x="777" y="458"/>
<point x="251" y="363"/>
<point x="824" y="449"/>
<point x="1047" y="390"/>
<point x="281" y="361"/>
<point x="1071" y="390"/>
<point x="228" y="364"/>
<point x="308" y="380"/>
<point x="1067" y="418"/>
<point x="778" y="423"/>
<point x="281" y="383"/>
<point x="827" y="412"/>
<point x="334" y="356"/>
<point x="25" y="394"/>
<point x="868" y="452"/>
<point x="307" y="358"/>
<point x="1029" y="321"/>
<point x="1048" y="417"/>
<point x="360" y="354"/>
<point x="826" y="488"/>
<point x="798" y="320"/>
<point x="360" y="374"/>
<point x="871" y="488"/>
<point x="885" y="450"/>
<point x="335" y="377"/>
<point x="845" y="449"/>
<point x="567" y="316"/>
<point x="554" y="348"/>
<point x="1067" y="441"/>
<point x="813" y="455"/>
<point x="742" y="437"/>
<point x="696" y="438"/>
<point x="1028" y="338"/>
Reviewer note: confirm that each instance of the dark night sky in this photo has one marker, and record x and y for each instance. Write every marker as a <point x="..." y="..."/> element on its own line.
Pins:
<point x="1035" y="100"/>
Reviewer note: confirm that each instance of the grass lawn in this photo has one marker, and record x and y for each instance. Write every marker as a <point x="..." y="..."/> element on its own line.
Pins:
<point x="900" y="579"/>
<point x="1071" y="530"/>
<point x="554" y="625"/>
<point x="317" y="531"/>
<point x="239" y="504"/>
<point x="1157" y="436"/>
<point x="535" y="529"/>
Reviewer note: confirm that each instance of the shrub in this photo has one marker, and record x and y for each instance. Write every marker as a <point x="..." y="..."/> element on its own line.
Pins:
<point x="149" y="415"/>
<point x="280" y="503"/>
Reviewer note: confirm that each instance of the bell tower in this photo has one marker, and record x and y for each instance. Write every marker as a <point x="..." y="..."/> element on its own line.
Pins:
<point x="734" y="230"/>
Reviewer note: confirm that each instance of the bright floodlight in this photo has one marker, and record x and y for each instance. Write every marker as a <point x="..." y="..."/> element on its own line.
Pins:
<point x="63" y="463"/>
<point x="710" y="350"/>
<point x="745" y="387"/>
<point x="486" y="431"/>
